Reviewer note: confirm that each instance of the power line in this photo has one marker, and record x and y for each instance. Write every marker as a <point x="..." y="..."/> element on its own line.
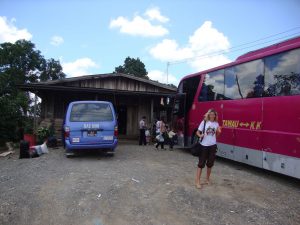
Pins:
<point x="230" y="49"/>
<point x="227" y="52"/>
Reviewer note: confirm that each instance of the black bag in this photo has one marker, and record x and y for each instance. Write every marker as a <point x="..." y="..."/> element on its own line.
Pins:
<point x="24" y="149"/>
<point x="196" y="149"/>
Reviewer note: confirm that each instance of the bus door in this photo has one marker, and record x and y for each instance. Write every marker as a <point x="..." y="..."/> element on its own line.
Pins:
<point x="179" y="117"/>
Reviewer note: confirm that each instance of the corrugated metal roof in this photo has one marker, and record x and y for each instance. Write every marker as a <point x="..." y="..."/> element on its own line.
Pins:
<point x="45" y="87"/>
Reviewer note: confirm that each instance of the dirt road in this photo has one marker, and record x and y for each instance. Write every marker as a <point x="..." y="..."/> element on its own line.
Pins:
<point x="141" y="186"/>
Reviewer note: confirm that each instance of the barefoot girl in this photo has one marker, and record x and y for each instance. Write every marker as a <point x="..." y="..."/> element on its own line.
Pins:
<point x="209" y="145"/>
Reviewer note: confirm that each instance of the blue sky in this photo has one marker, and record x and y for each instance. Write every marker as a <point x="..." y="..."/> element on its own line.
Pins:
<point x="90" y="37"/>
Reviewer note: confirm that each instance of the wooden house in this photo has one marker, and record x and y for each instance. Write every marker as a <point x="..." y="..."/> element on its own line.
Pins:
<point x="131" y="96"/>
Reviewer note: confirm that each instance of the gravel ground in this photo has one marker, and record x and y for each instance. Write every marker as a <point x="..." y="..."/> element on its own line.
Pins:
<point x="141" y="186"/>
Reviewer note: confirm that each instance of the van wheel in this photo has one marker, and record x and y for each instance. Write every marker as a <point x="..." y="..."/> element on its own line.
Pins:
<point x="69" y="154"/>
<point x="110" y="154"/>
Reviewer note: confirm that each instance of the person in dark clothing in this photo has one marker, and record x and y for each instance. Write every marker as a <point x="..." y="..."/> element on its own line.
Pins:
<point x="142" y="126"/>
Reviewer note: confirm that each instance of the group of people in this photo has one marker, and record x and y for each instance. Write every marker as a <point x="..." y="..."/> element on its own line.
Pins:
<point x="162" y="133"/>
<point x="207" y="132"/>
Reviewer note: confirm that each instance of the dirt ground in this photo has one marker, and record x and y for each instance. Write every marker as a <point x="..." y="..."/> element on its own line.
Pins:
<point x="141" y="186"/>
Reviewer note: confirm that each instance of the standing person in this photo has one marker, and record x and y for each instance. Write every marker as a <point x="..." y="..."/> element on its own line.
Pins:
<point x="171" y="135"/>
<point x="161" y="132"/>
<point x="208" y="141"/>
<point x="142" y="126"/>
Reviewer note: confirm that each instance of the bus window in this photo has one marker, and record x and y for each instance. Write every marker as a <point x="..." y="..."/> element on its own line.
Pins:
<point x="282" y="74"/>
<point x="245" y="80"/>
<point x="213" y="87"/>
<point x="250" y="78"/>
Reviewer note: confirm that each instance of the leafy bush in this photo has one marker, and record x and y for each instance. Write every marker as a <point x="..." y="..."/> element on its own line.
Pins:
<point x="42" y="134"/>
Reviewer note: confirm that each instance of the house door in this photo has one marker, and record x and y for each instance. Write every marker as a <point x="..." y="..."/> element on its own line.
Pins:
<point x="122" y="119"/>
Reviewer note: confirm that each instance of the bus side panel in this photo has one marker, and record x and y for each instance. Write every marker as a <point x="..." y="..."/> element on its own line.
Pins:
<point x="281" y="134"/>
<point x="242" y="121"/>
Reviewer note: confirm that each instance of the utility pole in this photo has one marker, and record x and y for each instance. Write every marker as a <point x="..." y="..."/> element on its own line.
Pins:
<point x="168" y="64"/>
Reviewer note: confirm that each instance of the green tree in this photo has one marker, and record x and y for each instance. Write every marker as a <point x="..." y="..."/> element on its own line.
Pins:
<point x="52" y="70"/>
<point x="133" y="67"/>
<point x="20" y="63"/>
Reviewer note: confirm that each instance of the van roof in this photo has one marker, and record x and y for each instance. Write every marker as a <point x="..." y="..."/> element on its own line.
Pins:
<point x="89" y="101"/>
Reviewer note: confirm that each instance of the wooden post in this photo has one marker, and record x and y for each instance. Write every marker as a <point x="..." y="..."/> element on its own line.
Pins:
<point x="151" y="112"/>
<point x="34" y="114"/>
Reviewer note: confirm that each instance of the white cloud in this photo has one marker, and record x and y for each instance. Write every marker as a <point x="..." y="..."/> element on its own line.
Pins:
<point x="56" y="40"/>
<point x="160" y="76"/>
<point x="79" y="67"/>
<point x="203" y="63"/>
<point x="10" y="33"/>
<point x="168" y="50"/>
<point x="154" y="14"/>
<point x="140" y="26"/>
<point x="206" y="40"/>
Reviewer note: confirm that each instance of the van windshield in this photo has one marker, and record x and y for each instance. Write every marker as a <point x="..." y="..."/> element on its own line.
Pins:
<point x="89" y="112"/>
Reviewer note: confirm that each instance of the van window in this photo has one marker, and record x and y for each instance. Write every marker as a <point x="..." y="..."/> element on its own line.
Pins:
<point x="89" y="112"/>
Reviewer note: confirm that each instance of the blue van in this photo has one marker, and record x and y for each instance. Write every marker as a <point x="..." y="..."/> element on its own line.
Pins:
<point x="90" y="125"/>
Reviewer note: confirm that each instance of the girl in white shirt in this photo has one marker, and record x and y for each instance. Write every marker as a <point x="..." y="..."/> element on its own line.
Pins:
<point x="209" y="144"/>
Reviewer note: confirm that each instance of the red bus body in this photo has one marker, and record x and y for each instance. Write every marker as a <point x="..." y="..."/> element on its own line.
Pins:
<point x="260" y="131"/>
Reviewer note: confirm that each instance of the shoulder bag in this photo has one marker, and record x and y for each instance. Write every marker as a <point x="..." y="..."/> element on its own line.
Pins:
<point x="196" y="150"/>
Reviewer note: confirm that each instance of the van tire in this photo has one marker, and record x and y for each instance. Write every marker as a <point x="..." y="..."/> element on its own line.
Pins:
<point x="69" y="155"/>
<point x="110" y="154"/>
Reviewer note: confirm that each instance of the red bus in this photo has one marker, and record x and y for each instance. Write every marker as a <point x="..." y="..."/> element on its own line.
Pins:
<point x="257" y="98"/>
